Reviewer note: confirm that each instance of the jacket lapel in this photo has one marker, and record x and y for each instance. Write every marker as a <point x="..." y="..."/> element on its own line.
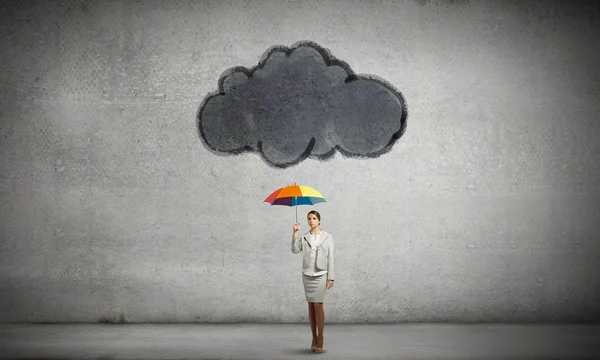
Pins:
<point x="322" y="238"/>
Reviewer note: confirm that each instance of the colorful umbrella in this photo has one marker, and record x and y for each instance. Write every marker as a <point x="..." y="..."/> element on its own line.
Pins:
<point x="294" y="195"/>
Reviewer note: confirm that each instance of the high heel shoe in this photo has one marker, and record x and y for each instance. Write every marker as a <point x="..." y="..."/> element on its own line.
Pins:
<point x="319" y="347"/>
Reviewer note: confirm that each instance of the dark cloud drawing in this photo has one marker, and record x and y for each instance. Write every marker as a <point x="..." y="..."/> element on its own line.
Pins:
<point x="301" y="102"/>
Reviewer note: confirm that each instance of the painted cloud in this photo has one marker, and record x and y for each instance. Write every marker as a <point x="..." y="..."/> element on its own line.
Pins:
<point x="301" y="102"/>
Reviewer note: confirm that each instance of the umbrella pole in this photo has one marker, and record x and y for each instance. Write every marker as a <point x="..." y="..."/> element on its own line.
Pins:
<point x="295" y="198"/>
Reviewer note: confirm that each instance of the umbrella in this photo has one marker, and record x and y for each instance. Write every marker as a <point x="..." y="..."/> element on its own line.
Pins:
<point x="294" y="195"/>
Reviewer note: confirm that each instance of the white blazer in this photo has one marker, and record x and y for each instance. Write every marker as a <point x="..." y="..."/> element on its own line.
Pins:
<point x="324" y="252"/>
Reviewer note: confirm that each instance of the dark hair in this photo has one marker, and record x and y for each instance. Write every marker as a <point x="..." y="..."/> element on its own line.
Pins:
<point x="316" y="214"/>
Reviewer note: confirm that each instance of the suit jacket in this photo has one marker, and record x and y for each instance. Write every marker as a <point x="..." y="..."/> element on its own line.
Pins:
<point x="324" y="252"/>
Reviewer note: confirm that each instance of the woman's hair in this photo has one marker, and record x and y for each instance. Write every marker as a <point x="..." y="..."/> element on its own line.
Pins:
<point x="316" y="214"/>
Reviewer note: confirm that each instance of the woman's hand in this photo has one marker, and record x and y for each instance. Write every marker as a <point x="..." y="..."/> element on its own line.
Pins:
<point x="296" y="228"/>
<point x="329" y="284"/>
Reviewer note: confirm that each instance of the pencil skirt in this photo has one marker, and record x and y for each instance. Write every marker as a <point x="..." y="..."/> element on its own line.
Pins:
<point x="314" y="287"/>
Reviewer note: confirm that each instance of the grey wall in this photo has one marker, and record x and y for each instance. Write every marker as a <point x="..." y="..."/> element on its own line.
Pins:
<point x="487" y="209"/>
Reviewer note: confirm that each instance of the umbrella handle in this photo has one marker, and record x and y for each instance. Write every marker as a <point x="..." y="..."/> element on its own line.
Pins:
<point x="296" y="199"/>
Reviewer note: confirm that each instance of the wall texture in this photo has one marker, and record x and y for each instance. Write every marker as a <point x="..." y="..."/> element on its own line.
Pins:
<point x="112" y="209"/>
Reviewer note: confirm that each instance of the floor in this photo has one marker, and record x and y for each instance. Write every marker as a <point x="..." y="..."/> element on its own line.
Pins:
<point x="292" y="341"/>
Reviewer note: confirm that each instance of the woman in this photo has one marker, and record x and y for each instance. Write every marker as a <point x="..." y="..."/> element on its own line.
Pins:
<point x="317" y="272"/>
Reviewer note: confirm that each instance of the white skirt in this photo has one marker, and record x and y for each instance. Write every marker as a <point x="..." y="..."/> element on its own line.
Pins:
<point x="314" y="287"/>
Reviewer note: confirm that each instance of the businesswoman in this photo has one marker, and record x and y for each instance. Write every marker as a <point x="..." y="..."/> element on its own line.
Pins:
<point x="317" y="272"/>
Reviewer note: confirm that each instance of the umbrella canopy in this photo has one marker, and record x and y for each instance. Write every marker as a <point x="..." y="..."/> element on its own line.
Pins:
<point x="294" y="195"/>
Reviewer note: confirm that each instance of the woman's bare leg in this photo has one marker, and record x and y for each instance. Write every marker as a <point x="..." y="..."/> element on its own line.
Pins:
<point x="320" y="315"/>
<point x="313" y="324"/>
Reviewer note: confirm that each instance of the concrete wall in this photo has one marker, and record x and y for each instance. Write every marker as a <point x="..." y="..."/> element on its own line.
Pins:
<point x="112" y="209"/>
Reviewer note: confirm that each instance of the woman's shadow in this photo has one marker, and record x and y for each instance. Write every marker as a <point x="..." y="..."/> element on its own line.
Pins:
<point x="301" y="351"/>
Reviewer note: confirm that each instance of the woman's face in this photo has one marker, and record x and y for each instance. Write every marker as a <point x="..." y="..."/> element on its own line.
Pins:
<point x="313" y="221"/>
